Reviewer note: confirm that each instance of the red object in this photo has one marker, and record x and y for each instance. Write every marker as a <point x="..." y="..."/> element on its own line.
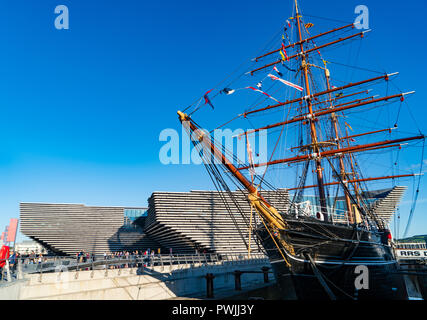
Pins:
<point x="13" y="227"/>
<point x="284" y="51"/>
<point x="4" y="254"/>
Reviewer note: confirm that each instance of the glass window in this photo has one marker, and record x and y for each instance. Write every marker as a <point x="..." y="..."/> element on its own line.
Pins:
<point x="133" y="214"/>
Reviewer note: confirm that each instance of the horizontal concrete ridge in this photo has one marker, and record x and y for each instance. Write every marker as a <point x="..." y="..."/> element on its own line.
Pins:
<point x="385" y="207"/>
<point x="201" y="220"/>
<point x="70" y="228"/>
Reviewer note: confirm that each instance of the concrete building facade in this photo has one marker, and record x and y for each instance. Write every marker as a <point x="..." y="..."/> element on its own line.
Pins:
<point x="175" y="222"/>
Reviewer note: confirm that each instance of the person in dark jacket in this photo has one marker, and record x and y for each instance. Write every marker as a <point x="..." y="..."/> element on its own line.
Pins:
<point x="12" y="262"/>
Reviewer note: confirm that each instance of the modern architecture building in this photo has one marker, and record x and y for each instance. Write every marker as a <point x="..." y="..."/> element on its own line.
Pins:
<point x="177" y="222"/>
<point x="66" y="229"/>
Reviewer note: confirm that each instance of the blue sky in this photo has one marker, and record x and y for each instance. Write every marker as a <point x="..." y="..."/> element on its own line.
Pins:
<point x="82" y="108"/>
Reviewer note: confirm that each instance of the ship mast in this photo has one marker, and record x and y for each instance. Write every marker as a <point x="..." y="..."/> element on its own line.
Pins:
<point x="314" y="141"/>
<point x="315" y="150"/>
<point x="269" y="213"/>
<point x="341" y="157"/>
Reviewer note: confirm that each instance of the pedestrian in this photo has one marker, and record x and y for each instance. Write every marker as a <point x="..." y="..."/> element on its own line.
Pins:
<point x="12" y="261"/>
<point x="18" y="259"/>
<point x="152" y="258"/>
<point x="32" y="257"/>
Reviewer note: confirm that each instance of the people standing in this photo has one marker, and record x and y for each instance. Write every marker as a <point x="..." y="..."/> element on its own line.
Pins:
<point x="32" y="257"/>
<point x="12" y="261"/>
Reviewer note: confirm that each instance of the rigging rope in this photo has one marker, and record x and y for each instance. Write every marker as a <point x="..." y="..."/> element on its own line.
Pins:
<point x="417" y="192"/>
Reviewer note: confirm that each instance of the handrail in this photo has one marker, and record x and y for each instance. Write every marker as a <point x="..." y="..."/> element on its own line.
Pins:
<point x="61" y="264"/>
<point x="132" y="260"/>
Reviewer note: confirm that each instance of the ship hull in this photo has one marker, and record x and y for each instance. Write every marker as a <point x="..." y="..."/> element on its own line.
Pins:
<point x="335" y="253"/>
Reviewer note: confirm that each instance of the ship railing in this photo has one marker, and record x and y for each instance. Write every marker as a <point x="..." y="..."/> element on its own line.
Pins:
<point x="338" y="216"/>
<point x="410" y="245"/>
<point x="340" y="219"/>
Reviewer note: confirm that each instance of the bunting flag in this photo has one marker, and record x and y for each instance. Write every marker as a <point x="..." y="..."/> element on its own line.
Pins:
<point x="287" y="38"/>
<point x="289" y="24"/>
<point x="227" y="91"/>
<point x="348" y="126"/>
<point x="339" y="95"/>
<point x="284" y="51"/>
<point x="278" y="72"/>
<point x="290" y="84"/>
<point x="259" y="85"/>
<point x="262" y="93"/>
<point x="308" y="25"/>
<point x="207" y="99"/>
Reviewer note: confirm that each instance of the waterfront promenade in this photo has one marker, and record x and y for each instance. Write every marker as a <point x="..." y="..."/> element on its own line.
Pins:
<point x="157" y="278"/>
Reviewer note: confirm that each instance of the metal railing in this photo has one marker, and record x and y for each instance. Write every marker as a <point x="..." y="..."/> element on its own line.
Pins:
<point x="61" y="264"/>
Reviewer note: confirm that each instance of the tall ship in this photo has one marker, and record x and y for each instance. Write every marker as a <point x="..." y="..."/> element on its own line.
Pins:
<point x="332" y="241"/>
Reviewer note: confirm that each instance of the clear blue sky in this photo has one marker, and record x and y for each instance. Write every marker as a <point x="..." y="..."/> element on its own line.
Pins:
<point x="82" y="108"/>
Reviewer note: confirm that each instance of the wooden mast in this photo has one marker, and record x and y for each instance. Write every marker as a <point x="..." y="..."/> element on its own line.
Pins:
<point x="347" y="137"/>
<point x="340" y="97"/>
<point x="309" y="50"/>
<point x="316" y="151"/>
<point x="385" y="77"/>
<point x="305" y="40"/>
<point x="333" y="152"/>
<point x="355" y="174"/>
<point x="357" y="180"/>
<point x="269" y="213"/>
<point x="319" y="169"/>
<point x="262" y="205"/>
<point x="327" y="111"/>
<point x="340" y="157"/>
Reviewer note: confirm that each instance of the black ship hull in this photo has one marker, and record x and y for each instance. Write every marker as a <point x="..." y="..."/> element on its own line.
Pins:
<point x="325" y="261"/>
<point x="415" y="272"/>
